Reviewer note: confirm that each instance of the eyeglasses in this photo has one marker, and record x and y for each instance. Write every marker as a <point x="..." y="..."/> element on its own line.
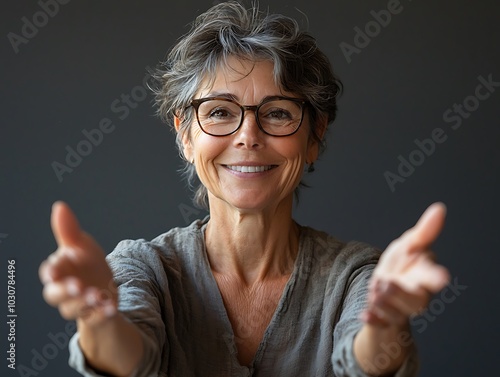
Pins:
<point x="275" y="116"/>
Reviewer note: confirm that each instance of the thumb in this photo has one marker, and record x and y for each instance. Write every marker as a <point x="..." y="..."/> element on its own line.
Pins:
<point x="428" y="227"/>
<point x="65" y="226"/>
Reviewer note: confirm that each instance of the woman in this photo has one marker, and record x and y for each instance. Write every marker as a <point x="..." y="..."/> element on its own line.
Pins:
<point x="246" y="291"/>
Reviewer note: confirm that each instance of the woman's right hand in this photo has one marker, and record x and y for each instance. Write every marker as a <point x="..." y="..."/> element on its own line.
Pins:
<point x="77" y="280"/>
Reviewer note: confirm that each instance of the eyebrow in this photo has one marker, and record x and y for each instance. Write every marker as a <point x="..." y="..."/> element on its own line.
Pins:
<point x="235" y="97"/>
<point x="223" y="95"/>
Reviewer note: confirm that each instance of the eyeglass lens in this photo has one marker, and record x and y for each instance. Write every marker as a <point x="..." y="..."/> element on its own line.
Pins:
<point x="223" y="117"/>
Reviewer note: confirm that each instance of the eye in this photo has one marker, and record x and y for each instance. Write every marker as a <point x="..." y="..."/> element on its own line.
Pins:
<point x="219" y="112"/>
<point x="278" y="114"/>
<point x="281" y="113"/>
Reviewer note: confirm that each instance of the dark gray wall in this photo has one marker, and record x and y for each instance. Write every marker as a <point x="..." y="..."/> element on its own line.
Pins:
<point x="66" y="78"/>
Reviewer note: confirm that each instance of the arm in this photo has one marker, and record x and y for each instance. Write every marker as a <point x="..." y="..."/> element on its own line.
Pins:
<point x="401" y="285"/>
<point x="347" y="361"/>
<point x="79" y="282"/>
<point x="381" y="352"/>
<point x="113" y="346"/>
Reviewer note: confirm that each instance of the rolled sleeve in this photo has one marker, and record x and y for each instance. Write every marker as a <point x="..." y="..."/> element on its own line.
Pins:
<point x="344" y="361"/>
<point x="140" y="300"/>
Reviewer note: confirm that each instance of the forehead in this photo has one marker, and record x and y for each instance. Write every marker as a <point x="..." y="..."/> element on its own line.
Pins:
<point x="242" y="79"/>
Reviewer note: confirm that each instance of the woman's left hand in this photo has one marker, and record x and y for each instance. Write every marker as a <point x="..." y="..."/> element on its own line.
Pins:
<point x="407" y="274"/>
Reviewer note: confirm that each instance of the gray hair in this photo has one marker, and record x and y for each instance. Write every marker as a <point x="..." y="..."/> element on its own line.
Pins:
<point x="226" y="30"/>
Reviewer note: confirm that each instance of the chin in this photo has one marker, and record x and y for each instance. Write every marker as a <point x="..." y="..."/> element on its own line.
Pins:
<point x="249" y="206"/>
<point x="253" y="203"/>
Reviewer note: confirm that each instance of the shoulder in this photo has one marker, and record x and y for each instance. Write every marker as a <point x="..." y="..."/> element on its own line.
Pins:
<point x="167" y="248"/>
<point x="352" y="252"/>
<point x="330" y="255"/>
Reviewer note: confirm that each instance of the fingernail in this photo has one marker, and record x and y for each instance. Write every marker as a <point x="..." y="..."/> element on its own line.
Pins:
<point x="56" y="203"/>
<point x="91" y="299"/>
<point x="73" y="289"/>
<point x="109" y="310"/>
<point x="46" y="276"/>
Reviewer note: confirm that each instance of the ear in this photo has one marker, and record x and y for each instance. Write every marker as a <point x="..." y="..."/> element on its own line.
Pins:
<point x="313" y="144"/>
<point x="187" y="147"/>
<point x="177" y="123"/>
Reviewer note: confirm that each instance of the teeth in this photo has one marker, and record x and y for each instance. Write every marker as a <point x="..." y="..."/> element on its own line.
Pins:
<point x="249" y="169"/>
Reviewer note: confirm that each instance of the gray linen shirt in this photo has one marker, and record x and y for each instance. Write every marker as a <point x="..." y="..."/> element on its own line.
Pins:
<point x="167" y="288"/>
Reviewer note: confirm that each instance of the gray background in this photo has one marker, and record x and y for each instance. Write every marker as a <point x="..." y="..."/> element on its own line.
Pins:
<point x="427" y="58"/>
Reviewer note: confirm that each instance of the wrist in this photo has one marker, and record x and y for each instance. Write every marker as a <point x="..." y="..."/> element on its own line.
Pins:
<point x="382" y="350"/>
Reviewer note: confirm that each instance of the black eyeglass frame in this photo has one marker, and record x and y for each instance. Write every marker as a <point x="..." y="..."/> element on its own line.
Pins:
<point x="195" y="103"/>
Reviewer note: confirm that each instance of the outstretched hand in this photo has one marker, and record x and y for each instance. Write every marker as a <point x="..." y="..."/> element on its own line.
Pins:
<point x="407" y="274"/>
<point x="77" y="280"/>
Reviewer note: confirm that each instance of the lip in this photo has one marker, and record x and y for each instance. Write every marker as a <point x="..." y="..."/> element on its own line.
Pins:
<point x="249" y="163"/>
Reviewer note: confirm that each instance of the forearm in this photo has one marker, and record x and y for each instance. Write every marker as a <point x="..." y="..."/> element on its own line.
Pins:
<point x="114" y="347"/>
<point x="382" y="351"/>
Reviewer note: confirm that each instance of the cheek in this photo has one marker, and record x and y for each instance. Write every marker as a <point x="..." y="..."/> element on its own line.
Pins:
<point x="294" y="150"/>
<point x="200" y="145"/>
<point x="206" y="149"/>
<point x="295" y="155"/>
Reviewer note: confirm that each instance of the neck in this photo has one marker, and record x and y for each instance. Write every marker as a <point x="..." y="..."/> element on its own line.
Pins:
<point x="252" y="246"/>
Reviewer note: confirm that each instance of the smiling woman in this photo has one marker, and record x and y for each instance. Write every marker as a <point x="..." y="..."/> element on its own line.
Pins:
<point x="247" y="291"/>
<point x="247" y="167"/>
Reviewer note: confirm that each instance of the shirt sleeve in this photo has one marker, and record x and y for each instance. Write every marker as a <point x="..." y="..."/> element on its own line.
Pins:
<point x="136" y="268"/>
<point x="343" y="359"/>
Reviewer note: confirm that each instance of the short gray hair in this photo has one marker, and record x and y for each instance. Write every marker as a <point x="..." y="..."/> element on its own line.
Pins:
<point x="229" y="29"/>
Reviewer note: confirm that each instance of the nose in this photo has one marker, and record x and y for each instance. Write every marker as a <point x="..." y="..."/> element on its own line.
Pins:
<point x="249" y="135"/>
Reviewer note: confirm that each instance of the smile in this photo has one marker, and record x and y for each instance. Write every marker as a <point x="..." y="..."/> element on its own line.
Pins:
<point x="250" y="169"/>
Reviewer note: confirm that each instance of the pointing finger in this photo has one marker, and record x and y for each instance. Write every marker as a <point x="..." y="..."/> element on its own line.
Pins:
<point x="428" y="227"/>
<point x="65" y="225"/>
